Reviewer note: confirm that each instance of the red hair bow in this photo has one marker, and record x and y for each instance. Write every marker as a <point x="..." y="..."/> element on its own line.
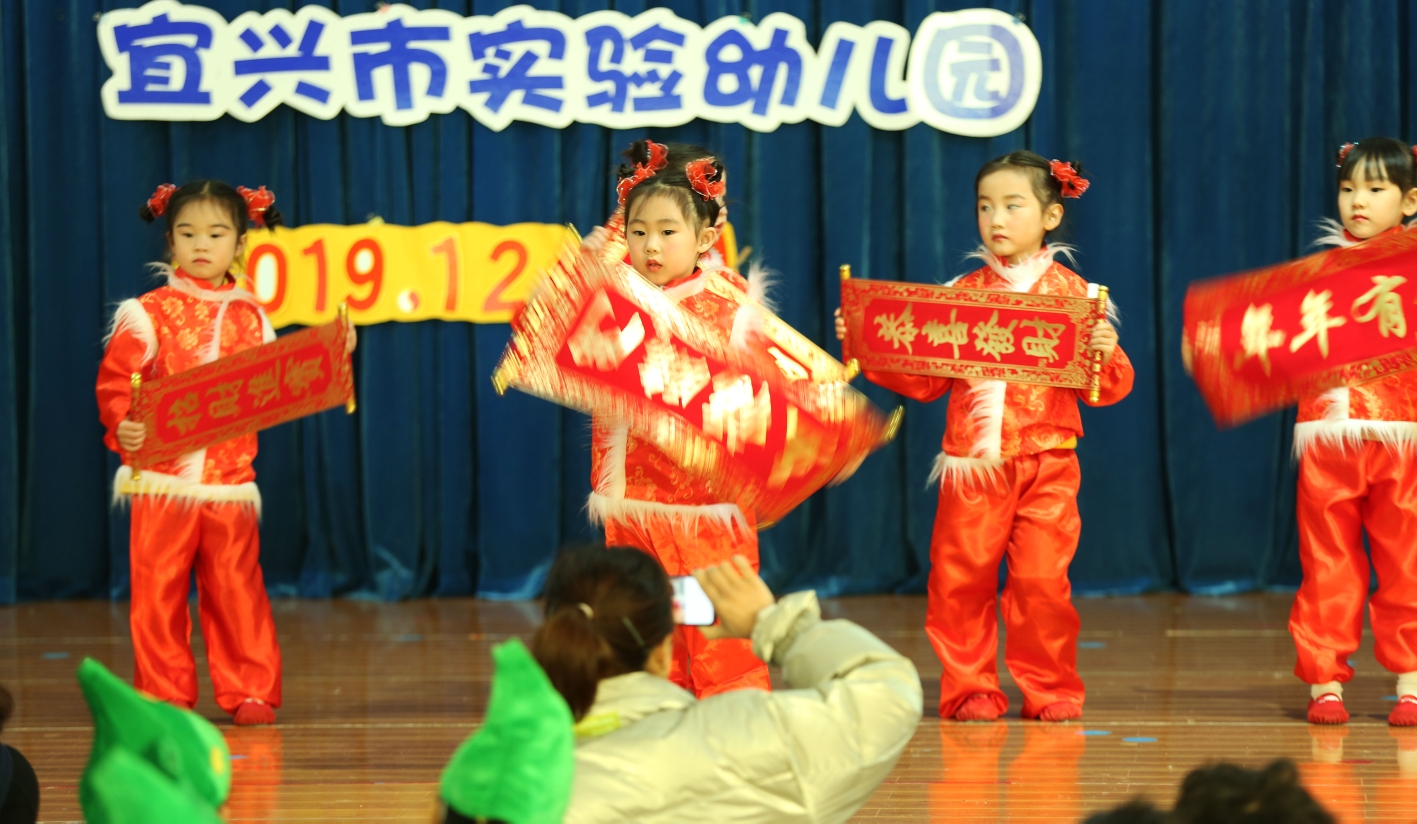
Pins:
<point x="699" y="171"/>
<point x="658" y="157"/>
<point x="1074" y="184"/>
<point x="157" y="204"/>
<point x="257" y="202"/>
<point x="1343" y="153"/>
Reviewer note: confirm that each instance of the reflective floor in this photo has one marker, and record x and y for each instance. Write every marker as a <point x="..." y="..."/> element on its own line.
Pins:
<point x="377" y="696"/>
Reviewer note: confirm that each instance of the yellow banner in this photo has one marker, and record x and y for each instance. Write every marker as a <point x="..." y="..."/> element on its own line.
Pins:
<point x="473" y="272"/>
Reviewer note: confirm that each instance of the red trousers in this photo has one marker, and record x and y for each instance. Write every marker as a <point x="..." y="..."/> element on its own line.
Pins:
<point x="220" y="541"/>
<point x="701" y="666"/>
<point x="1343" y="492"/>
<point x="1028" y="514"/>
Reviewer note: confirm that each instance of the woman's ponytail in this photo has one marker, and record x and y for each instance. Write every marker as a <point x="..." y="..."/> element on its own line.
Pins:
<point x="606" y="610"/>
<point x="574" y="655"/>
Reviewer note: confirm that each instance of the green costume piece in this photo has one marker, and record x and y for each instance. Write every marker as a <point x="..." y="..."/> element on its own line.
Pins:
<point x="178" y="743"/>
<point x="125" y="789"/>
<point x="518" y="767"/>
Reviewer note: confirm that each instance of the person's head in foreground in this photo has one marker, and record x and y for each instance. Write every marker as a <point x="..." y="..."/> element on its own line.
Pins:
<point x="648" y="750"/>
<point x="609" y="612"/>
<point x="517" y="768"/>
<point x="1136" y="811"/>
<point x="1377" y="185"/>
<point x="1230" y="794"/>
<point x="19" y="788"/>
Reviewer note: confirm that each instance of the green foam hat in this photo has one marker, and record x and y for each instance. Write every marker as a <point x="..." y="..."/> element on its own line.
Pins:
<point x="125" y="789"/>
<point x="518" y="767"/>
<point x="178" y="743"/>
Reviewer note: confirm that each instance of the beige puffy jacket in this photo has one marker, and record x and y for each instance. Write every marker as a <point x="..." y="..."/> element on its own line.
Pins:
<point x="648" y="751"/>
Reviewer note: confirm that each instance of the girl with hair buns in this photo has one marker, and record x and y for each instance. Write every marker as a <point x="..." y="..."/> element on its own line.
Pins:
<point x="671" y="203"/>
<point x="1008" y="474"/>
<point x="199" y="512"/>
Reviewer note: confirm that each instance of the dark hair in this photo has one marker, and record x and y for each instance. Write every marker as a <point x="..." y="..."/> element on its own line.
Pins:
<point x="672" y="181"/>
<point x="1380" y="158"/>
<point x="1047" y="188"/>
<point x="7" y="706"/>
<point x="213" y="190"/>
<point x="1136" y="811"/>
<point x="606" y="609"/>
<point x="1231" y="794"/>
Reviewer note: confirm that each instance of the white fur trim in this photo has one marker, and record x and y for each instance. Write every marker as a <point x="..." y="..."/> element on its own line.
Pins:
<point x="1113" y="313"/>
<point x="211" y="350"/>
<point x="173" y="488"/>
<point x="986" y="409"/>
<point x="192" y="465"/>
<point x="953" y="470"/>
<point x="131" y="316"/>
<point x="603" y="508"/>
<point x="190" y="289"/>
<point x="761" y="282"/>
<point x="749" y="317"/>
<point x="1333" y="234"/>
<point x="688" y="288"/>
<point x="608" y="501"/>
<point x="1022" y="276"/>
<point x="1345" y="433"/>
<point x="268" y="332"/>
<point x="1336" y="428"/>
<point x="611" y="482"/>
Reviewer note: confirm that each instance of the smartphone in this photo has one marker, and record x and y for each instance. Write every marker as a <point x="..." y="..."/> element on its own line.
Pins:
<point x="692" y="606"/>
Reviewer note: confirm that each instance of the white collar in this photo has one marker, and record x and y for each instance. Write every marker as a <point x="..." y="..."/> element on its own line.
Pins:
<point x="1022" y="276"/>
<point x="190" y="289"/>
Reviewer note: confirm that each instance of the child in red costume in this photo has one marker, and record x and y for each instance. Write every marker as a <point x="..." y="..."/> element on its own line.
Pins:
<point x="1008" y="474"/>
<point x="201" y="511"/>
<point x="1357" y="472"/>
<point x="672" y="202"/>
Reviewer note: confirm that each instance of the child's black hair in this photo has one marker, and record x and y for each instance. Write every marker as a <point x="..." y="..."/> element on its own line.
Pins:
<point x="672" y="181"/>
<point x="216" y="191"/>
<point x="1379" y="158"/>
<point x="1047" y="188"/>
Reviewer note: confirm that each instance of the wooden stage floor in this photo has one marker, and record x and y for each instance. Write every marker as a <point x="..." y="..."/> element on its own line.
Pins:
<point x="377" y="696"/>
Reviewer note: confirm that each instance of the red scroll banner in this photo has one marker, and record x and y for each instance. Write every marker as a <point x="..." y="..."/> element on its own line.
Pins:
<point x="599" y="338"/>
<point x="1262" y="340"/>
<point x="294" y="376"/>
<point x="920" y="329"/>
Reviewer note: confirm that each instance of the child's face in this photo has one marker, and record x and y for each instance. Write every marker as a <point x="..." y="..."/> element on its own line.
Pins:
<point x="663" y="246"/>
<point x="1370" y="207"/>
<point x="204" y="242"/>
<point x="1012" y="221"/>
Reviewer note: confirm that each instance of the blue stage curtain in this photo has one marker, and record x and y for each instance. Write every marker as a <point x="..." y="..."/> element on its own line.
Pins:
<point x="1208" y="128"/>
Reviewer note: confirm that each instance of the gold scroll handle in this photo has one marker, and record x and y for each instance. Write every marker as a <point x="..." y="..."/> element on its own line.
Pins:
<point x="349" y="405"/>
<point x="853" y="367"/>
<point x="1094" y="381"/>
<point x="136" y="382"/>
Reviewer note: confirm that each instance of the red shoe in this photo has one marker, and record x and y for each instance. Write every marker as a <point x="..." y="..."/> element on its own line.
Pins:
<point x="254" y="713"/>
<point x="1060" y="711"/>
<point x="1405" y="713"/>
<point x="1328" y="709"/>
<point x="978" y="707"/>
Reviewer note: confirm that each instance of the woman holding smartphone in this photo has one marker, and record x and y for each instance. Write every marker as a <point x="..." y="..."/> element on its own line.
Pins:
<point x="647" y="750"/>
